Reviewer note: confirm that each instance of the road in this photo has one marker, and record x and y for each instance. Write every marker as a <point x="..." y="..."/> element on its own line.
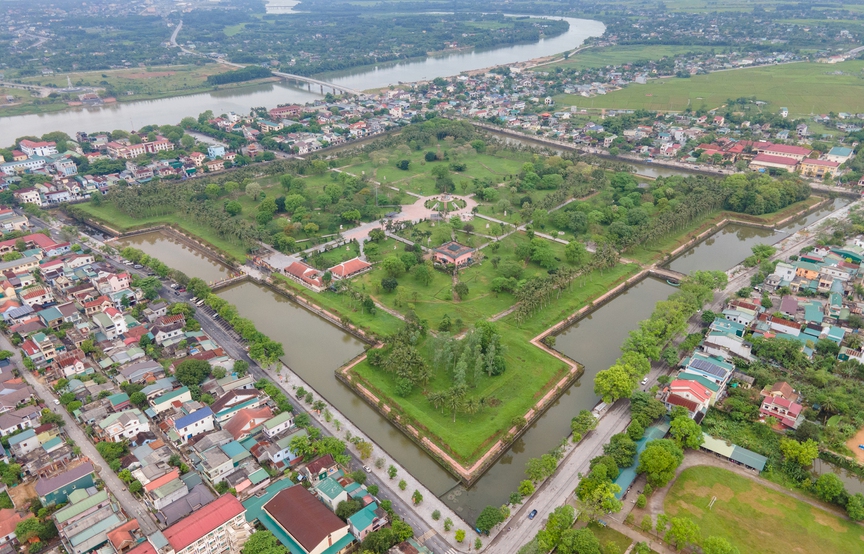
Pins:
<point x="131" y="506"/>
<point x="558" y="488"/>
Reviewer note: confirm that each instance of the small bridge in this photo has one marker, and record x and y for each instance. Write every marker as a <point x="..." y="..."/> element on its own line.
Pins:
<point x="667" y="274"/>
<point x="228" y="281"/>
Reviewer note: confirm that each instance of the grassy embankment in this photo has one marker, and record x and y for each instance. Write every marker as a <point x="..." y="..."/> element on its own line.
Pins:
<point x="615" y="55"/>
<point x="804" y="88"/>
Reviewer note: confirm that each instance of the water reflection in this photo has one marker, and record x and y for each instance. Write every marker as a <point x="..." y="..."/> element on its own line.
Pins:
<point x="177" y="255"/>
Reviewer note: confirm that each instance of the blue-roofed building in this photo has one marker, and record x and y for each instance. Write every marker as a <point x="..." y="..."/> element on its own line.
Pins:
<point x="728" y="326"/>
<point x="196" y="423"/>
<point x="839" y="154"/>
<point x="813" y="311"/>
<point x="23" y="443"/>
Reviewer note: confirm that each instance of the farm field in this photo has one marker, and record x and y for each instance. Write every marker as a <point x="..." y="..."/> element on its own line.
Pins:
<point x="150" y="82"/>
<point x="804" y="88"/>
<point x="613" y="55"/>
<point x="755" y="518"/>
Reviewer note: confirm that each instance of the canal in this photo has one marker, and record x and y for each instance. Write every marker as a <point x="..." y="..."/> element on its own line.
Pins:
<point x="728" y="247"/>
<point x="314" y="348"/>
<point x="177" y="255"/>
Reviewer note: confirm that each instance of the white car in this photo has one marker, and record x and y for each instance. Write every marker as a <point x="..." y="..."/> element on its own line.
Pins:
<point x="644" y="381"/>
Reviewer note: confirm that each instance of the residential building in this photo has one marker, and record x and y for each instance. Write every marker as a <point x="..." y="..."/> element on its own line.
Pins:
<point x="196" y="423"/>
<point x="306" y="524"/>
<point x="320" y="469"/>
<point x="369" y="519"/>
<point x="278" y="424"/>
<point x="56" y="489"/>
<point x="121" y="426"/>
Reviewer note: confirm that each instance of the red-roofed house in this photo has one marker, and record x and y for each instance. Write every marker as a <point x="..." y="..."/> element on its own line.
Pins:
<point x="319" y="469"/>
<point x="245" y="420"/>
<point x="787" y="412"/>
<point x="97" y="306"/>
<point x="307" y="521"/>
<point x="41" y="148"/>
<point x="37" y="295"/>
<point x="349" y="269"/>
<point x="774" y="162"/>
<point x="797" y="153"/>
<point x="121" y="537"/>
<point x="691" y="390"/>
<point x="162" y="480"/>
<point x="672" y="400"/>
<point x="780" y="325"/>
<point x="305" y="275"/>
<point x="216" y="528"/>
<point x="9" y="519"/>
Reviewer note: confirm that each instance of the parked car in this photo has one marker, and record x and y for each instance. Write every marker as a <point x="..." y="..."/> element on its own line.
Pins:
<point x="532" y="514"/>
<point x="368" y="469"/>
<point x="138" y="266"/>
<point x="644" y="381"/>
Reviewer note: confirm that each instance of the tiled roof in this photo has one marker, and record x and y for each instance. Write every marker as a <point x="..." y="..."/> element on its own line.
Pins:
<point x="300" y="513"/>
<point x="190" y="529"/>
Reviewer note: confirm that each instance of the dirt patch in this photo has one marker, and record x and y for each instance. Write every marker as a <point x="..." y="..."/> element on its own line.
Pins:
<point x="722" y="492"/>
<point x="149" y="74"/>
<point x="853" y="443"/>
<point x="822" y="518"/>
<point x="22" y="494"/>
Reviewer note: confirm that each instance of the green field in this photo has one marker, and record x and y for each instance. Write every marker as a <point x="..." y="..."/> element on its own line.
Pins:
<point x="804" y="88"/>
<point x="755" y="518"/>
<point x="615" y="55"/>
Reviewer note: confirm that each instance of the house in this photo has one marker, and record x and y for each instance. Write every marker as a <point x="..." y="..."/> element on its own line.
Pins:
<point x="111" y="322"/>
<point x="818" y="168"/>
<point x="217" y="528"/>
<point x="215" y="465"/>
<point x="165" y="401"/>
<point x="767" y="161"/>
<point x="121" y="426"/>
<point x="453" y="253"/>
<point x="214" y="165"/>
<point x="244" y="421"/>
<point x="319" y="469"/>
<point x="9" y="423"/>
<point x="34" y="148"/>
<point x="56" y="489"/>
<point x="9" y="520"/>
<point x="233" y="401"/>
<point x="306" y="523"/>
<point x="24" y="443"/>
<point x="199" y="421"/>
<point x="273" y="426"/>
<point x="780" y="325"/>
<point x="786" y="412"/>
<point x="305" y="275"/>
<point x="839" y="154"/>
<point x="369" y="519"/>
<point x="346" y="270"/>
<point x="781" y="389"/>
<point x="214" y="151"/>
<point x="141" y="372"/>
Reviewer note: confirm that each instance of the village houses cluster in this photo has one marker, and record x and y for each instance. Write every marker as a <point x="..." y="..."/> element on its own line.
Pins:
<point x="85" y="327"/>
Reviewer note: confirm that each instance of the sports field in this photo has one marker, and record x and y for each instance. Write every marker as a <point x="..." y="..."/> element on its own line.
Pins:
<point x="755" y="518"/>
<point x="804" y="88"/>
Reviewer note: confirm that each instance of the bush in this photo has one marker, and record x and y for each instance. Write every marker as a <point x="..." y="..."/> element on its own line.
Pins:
<point x="436" y="515"/>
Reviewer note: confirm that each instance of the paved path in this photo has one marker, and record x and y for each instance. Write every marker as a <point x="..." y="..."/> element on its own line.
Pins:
<point x="131" y="506"/>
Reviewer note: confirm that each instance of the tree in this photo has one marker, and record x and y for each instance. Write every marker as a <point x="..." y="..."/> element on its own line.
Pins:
<point x="348" y="508"/>
<point x="422" y="274"/>
<point x="253" y="190"/>
<point x="416" y="497"/>
<point x="718" y="545"/>
<point x="138" y="398"/>
<point x="828" y="487"/>
<point x="393" y="266"/>
<point x="448" y="523"/>
<point x="578" y="541"/>
<point x="389" y="284"/>
<point x="659" y="461"/>
<point x="489" y="518"/>
<point x="855" y="507"/>
<point x="391" y="471"/>
<point x="621" y="448"/>
<point x="263" y="542"/>
<point x="801" y="453"/>
<point x="460" y="535"/>
<point x="402" y="485"/>
<point x="683" y="531"/>
<point x="526" y="488"/>
<point x="27" y="529"/>
<point x="461" y="290"/>
<point x="687" y="433"/>
<point x="614" y="383"/>
<point x="561" y="519"/>
<point x="576" y="254"/>
<point x="192" y="372"/>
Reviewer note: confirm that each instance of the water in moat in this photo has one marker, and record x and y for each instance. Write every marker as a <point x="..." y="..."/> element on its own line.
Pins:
<point x="315" y="348"/>
<point x="177" y="254"/>
<point x="726" y="248"/>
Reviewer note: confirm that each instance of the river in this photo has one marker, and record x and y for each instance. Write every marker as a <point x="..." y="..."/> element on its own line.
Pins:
<point x="136" y="114"/>
<point x="727" y="247"/>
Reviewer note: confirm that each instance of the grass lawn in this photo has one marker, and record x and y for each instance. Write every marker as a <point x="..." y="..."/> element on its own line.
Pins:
<point x="119" y="221"/>
<point x="380" y="323"/>
<point x="621" y="54"/>
<point x="755" y="518"/>
<point x="804" y="88"/>
<point x="606" y="535"/>
<point x="24" y="103"/>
